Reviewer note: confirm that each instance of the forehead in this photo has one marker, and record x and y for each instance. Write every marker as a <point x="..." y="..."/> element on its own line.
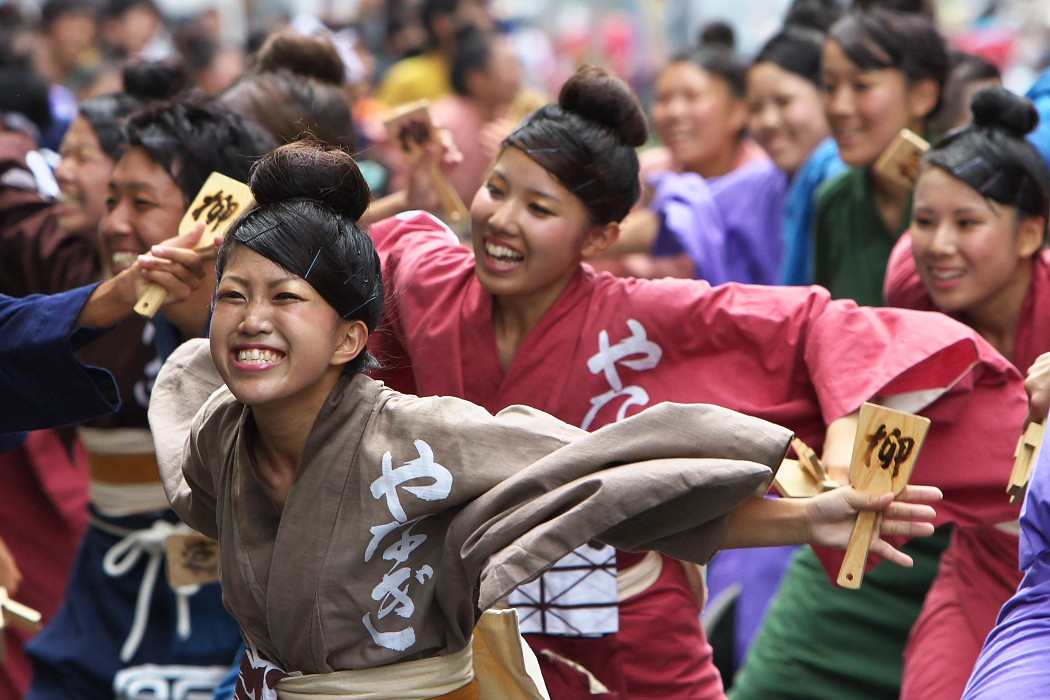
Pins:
<point x="523" y="172"/>
<point x="137" y="169"/>
<point x="937" y="184"/>
<point x="80" y="134"/>
<point x="681" y="74"/>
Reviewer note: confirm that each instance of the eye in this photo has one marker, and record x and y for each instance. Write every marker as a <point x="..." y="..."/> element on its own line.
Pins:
<point x="229" y="295"/>
<point x="968" y="223"/>
<point x="540" y="209"/>
<point x="920" y="221"/>
<point x="287" y="296"/>
<point x="143" y="204"/>
<point x="111" y="203"/>
<point x="494" y="191"/>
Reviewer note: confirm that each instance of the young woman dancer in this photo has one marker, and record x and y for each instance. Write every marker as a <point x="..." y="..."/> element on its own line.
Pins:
<point x="361" y="534"/>
<point x="519" y="319"/>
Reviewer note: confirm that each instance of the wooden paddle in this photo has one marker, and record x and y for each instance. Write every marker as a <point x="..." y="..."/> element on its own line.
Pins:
<point x="901" y="159"/>
<point x="411" y="129"/>
<point x="1024" y="457"/>
<point x="884" y="453"/>
<point x="218" y="204"/>
<point x="803" y="477"/>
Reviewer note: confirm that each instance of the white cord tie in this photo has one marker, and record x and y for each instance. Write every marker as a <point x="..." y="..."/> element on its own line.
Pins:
<point x="120" y="559"/>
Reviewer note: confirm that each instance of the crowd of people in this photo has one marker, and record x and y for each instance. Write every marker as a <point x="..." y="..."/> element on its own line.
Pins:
<point x="531" y="457"/>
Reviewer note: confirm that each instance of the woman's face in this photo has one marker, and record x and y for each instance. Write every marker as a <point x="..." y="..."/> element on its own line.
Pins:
<point x="529" y="232"/>
<point x="82" y="175"/>
<point x="275" y="340"/>
<point x="787" y="114"/>
<point x="968" y="249"/>
<point x="698" y="118"/>
<point x="866" y="109"/>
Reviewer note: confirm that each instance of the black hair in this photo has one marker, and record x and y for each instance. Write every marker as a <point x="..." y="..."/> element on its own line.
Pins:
<point x="24" y="92"/>
<point x="587" y="142"/>
<point x="965" y="70"/>
<point x="878" y="38"/>
<point x="798" y="47"/>
<point x="720" y="62"/>
<point x="429" y="9"/>
<point x="992" y="156"/>
<point x="195" y="136"/>
<point x="309" y="56"/>
<point x="716" y="34"/>
<point x="144" y="82"/>
<point x="292" y="107"/>
<point x="309" y="198"/>
<point x="51" y="10"/>
<point x="473" y="53"/>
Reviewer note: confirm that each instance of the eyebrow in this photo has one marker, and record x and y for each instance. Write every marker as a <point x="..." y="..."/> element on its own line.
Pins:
<point x="530" y="190"/>
<point x="271" y="285"/>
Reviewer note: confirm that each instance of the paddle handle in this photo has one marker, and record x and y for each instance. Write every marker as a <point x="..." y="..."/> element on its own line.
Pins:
<point x="852" y="571"/>
<point x="151" y="301"/>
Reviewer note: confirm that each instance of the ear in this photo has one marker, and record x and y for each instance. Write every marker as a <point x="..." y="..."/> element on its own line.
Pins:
<point x="599" y="238"/>
<point x="739" y="114"/>
<point x="922" y="98"/>
<point x="1030" y="235"/>
<point x="352" y="344"/>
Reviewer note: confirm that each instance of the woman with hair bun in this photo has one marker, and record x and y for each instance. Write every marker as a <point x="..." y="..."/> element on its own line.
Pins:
<point x="363" y="532"/>
<point x="521" y="320"/>
<point x="977" y="252"/>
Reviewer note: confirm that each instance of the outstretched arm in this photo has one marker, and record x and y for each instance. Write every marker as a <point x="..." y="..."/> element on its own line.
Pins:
<point x="828" y="519"/>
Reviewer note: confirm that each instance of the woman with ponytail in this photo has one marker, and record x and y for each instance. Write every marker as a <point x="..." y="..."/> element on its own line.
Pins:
<point x="977" y="252"/>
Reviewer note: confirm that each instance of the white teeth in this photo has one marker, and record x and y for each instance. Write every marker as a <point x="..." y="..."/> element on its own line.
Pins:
<point x="942" y="275"/>
<point x="123" y="258"/>
<point x="501" y="252"/>
<point x="256" y="356"/>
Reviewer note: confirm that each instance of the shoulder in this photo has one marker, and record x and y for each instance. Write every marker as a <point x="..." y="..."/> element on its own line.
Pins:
<point x="841" y="186"/>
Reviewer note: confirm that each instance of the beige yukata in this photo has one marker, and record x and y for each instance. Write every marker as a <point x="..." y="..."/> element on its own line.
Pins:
<point x="409" y="516"/>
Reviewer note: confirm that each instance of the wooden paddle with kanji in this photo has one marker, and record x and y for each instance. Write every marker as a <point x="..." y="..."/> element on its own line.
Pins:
<point x="884" y="453"/>
<point x="1024" y="457"/>
<point x="411" y="128"/>
<point x="218" y="204"/>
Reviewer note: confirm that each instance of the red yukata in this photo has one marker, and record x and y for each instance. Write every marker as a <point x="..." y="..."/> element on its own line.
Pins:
<point x="611" y="346"/>
<point x="979" y="570"/>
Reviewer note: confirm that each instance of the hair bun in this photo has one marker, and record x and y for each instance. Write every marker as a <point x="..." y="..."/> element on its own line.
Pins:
<point x="154" y="80"/>
<point x="816" y="15"/>
<point x="310" y="170"/>
<point x="600" y="97"/>
<point x="998" y="108"/>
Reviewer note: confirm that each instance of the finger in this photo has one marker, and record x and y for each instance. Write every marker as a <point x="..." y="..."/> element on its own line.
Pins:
<point x="920" y="494"/>
<point x="883" y="548"/>
<point x="910" y="511"/>
<point x="177" y="289"/>
<point x="905" y="528"/>
<point x="179" y="261"/>
<point x="186" y="240"/>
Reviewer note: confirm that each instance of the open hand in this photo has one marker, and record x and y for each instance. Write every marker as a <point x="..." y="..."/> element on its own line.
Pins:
<point x="1037" y="384"/>
<point x="831" y="517"/>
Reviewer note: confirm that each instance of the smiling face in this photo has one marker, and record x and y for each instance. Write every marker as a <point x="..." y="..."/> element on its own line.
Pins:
<point x="787" y="114"/>
<point x="530" y="233"/>
<point x="972" y="253"/>
<point x="143" y="207"/>
<point x="698" y="118"/>
<point x="866" y="109"/>
<point x="276" y="342"/>
<point x="83" y="176"/>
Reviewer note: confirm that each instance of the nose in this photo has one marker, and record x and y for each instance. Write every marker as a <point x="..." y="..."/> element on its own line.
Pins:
<point x="763" y="118"/>
<point x="838" y="101"/>
<point x="504" y="218"/>
<point x="117" y="221"/>
<point x="64" y="171"/>
<point x="943" y="241"/>
<point x="257" y="318"/>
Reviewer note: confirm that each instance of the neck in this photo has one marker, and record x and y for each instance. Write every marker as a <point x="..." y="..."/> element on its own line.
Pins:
<point x="514" y="317"/>
<point x="996" y="318"/>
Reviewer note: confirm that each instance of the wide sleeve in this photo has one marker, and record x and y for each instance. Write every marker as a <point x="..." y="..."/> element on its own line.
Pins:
<point x="665" y="479"/>
<point x="44" y="385"/>
<point x="192" y="418"/>
<point x="690" y="223"/>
